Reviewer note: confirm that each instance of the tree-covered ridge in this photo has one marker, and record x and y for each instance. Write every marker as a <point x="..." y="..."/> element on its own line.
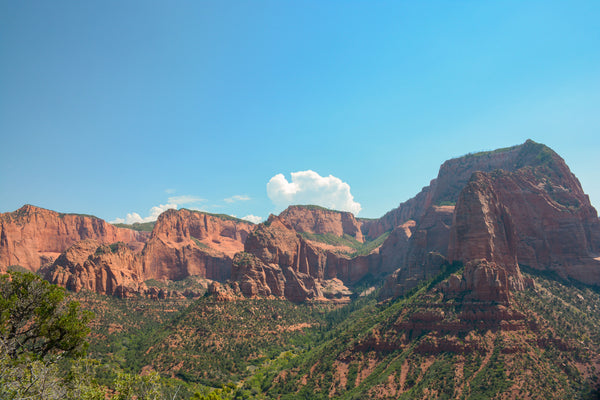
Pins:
<point x="138" y="226"/>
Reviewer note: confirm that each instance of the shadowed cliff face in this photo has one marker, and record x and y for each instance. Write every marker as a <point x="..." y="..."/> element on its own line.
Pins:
<point x="32" y="236"/>
<point x="538" y="217"/>
<point x="532" y="211"/>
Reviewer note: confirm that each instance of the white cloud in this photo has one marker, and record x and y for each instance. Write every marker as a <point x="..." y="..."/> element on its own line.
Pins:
<point x="237" y="197"/>
<point x="153" y="215"/>
<point x="253" y="218"/>
<point x="173" y="202"/>
<point x="185" y="199"/>
<point x="308" y="187"/>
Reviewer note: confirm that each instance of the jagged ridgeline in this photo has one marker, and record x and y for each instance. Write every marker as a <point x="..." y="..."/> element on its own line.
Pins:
<point x="481" y="286"/>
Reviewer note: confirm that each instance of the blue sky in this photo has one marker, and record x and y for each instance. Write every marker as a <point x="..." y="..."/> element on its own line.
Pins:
<point x="112" y="108"/>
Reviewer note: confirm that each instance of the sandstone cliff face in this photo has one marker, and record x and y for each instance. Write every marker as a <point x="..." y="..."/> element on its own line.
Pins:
<point x="483" y="226"/>
<point x="185" y="243"/>
<point x="432" y="212"/>
<point x="538" y="217"/>
<point x="32" y="236"/>
<point x="481" y="281"/>
<point x="453" y="176"/>
<point x="318" y="220"/>
<point x="278" y="262"/>
<point x="531" y="212"/>
<point x="105" y="269"/>
<point x="409" y="210"/>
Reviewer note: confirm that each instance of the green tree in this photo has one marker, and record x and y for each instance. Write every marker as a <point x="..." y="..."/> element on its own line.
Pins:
<point x="37" y="319"/>
<point x="38" y="325"/>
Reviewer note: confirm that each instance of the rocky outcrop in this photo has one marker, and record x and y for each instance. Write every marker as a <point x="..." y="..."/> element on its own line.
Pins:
<point x="106" y="269"/>
<point x="536" y="216"/>
<point x="277" y="261"/>
<point x="432" y="211"/>
<point x="481" y="281"/>
<point x="453" y="176"/>
<point x="185" y="243"/>
<point x="319" y="220"/>
<point x="483" y="226"/>
<point x="221" y="292"/>
<point x="532" y="211"/>
<point x="32" y="236"/>
<point x="100" y="257"/>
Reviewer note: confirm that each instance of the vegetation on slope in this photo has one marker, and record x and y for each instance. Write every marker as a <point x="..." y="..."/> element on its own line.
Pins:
<point x="138" y="226"/>
<point x="358" y="248"/>
<point x="554" y="354"/>
<point x="265" y="348"/>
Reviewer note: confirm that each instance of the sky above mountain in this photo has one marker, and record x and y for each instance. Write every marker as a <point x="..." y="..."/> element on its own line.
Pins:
<point x="124" y="109"/>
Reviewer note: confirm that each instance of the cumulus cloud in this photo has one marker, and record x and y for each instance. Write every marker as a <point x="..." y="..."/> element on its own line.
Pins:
<point x="173" y="202"/>
<point x="253" y="218"/>
<point x="134" y="217"/>
<point x="237" y="197"/>
<point x="308" y="187"/>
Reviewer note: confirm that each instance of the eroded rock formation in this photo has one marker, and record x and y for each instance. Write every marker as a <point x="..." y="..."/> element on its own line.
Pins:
<point x="537" y="216"/>
<point x="319" y="220"/>
<point x="183" y="243"/>
<point x="511" y="207"/>
<point x="32" y="236"/>
<point x="106" y="269"/>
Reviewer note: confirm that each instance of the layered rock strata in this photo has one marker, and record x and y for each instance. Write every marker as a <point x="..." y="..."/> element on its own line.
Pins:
<point x="106" y="269"/>
<point x="183" y="243"/>
<point x="537" y="217"/>
<point x="32" y="236"/>
<point x="319" y="220"/>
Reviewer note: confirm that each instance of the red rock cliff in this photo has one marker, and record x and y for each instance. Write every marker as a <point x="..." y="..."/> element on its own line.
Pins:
<point x="537" y="216"/>
<point x="106" y="269"/>
<point x="452" y="177"/>
<point x="185" y="243"/>
<point x="277" y="261"/>
<point x="531" y="211"/>
<point x="313" y="219"/>
<point x="32" y="236"/>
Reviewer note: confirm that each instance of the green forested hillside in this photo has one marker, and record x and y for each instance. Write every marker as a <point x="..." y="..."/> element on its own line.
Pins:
<point x="544" y="344"/>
